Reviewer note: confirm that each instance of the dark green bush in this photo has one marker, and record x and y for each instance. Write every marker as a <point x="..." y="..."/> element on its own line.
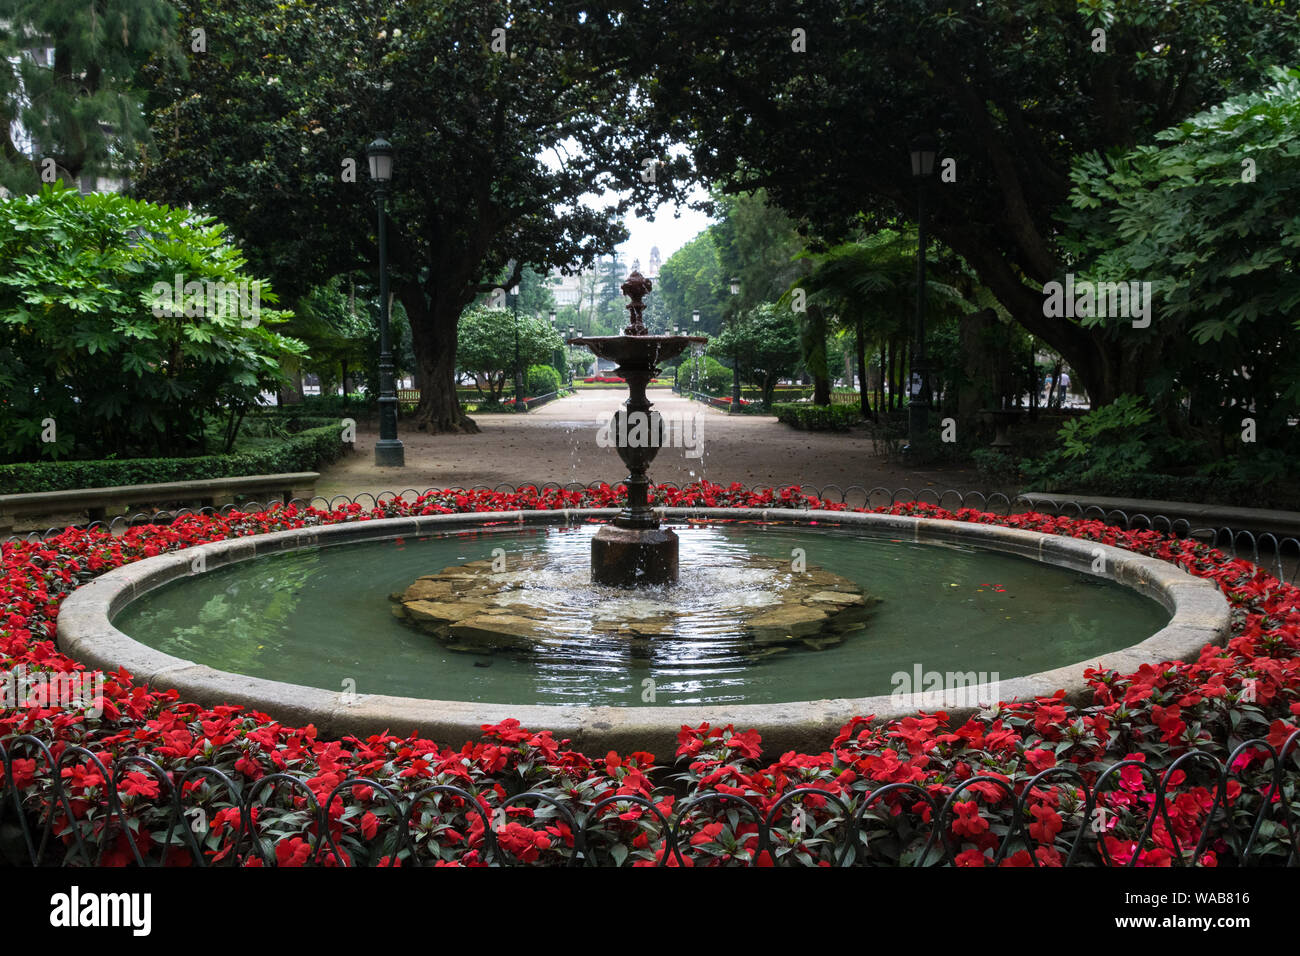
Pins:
<point x="316" y="443"/>
<point x="542" y="380"/>
<point x="838" y="418"/>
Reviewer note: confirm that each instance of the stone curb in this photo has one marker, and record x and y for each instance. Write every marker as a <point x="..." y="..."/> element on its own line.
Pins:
<point x="1201" y="615"/>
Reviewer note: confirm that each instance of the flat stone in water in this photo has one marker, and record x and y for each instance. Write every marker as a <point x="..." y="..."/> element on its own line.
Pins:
<point x="764" y="609"/>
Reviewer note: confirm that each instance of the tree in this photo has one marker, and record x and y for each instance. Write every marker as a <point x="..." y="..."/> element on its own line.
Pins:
<point x="127" y="327"/>
<point x="487" y="347"/>
<point x="70" y="89"/>
<point x="691" y="278"/>
<point x="501" y="126"/>
<point x="764" y="343"/>
<point x="1013" y="91"/>
<point x="341" y="339"/>
<point x="1209" y="216"/>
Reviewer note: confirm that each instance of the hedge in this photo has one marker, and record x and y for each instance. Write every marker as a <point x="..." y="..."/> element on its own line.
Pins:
<point x="815" y="418"/>
<point x="318" y="443"/>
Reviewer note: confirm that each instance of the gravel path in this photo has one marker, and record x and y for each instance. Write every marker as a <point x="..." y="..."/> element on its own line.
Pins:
<point x="558" y="442"/>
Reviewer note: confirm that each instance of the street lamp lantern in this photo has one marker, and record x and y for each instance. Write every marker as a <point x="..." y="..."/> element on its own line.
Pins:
<point x="924" y="150"/>
<point x="695" y="319"/>
<point x="389" y="452"/>
<point x="735" y="286"/>
<point x="380" y="154"/>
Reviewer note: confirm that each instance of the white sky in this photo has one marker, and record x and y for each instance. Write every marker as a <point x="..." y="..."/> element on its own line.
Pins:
<point x="666" y="232"/>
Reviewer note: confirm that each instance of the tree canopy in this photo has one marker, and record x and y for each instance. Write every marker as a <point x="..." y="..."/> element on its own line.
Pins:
<point x="817" y="101"/>
<point x="501" y="126"/>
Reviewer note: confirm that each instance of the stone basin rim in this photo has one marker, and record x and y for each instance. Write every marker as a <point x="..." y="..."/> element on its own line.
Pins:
<point x="1200" y="615"/>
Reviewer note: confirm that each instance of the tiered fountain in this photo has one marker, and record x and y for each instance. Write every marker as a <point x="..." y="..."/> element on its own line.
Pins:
<point x="633" y="551"/>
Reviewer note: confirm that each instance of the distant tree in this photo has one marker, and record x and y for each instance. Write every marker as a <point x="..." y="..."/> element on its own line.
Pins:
<point x="691" y="278"/>
<point x="70" y="86"/>
<point x="764" y="342"/>
<point x="487" y="347"/>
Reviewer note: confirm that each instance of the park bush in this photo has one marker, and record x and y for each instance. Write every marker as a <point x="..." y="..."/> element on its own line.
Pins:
<point x="116" y="345"/>
<point x="837" y="418"/>
<point x="542" y="380"/>
<point x="311" y="444"/>
<point x="714" y="377"/>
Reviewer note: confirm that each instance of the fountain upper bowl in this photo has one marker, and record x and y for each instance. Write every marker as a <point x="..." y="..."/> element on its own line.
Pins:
<point x="638" y="350"/>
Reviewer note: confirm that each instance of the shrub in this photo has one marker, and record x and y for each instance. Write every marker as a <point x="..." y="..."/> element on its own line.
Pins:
<point x="542" y="380"/>
<point x="95" y="337"/>
<point x="317" y="442"/>
<point x="839" y="418"/>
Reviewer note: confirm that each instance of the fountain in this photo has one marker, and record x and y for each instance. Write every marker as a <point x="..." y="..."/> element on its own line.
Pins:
<point x="633" y="550"/>
<point x="588" y="632"/>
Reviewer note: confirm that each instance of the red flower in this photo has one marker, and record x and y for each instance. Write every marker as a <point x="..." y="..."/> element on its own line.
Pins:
<point x="967" y="821"/>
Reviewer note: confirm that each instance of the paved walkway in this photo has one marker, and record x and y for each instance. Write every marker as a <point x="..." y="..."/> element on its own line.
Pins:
<point x="557" y="442"/>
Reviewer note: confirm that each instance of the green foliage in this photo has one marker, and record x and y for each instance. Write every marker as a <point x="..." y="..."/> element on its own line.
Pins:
<point x="713" y="377"/>
<point x="318" y="443"/>
<point x="1209" y="215"/>
<point x="765" y="343"/>
<point x="1116" y="440"/>
<point x="542" y="380"/>
<point x="837" y="418"/>
<point x="340" y="333"/>
<point x="82" y="108"/>
<point x="1012" y="89"/>
<point x="691" y="278"/>
<point x="82" y="343"/>
<point x="487" y="345"/>
<point x="259" y="129"/>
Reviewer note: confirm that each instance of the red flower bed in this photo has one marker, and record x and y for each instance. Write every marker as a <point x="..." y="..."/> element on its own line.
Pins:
<point x="612" y="379"/>
<point x="1018" y="769"/>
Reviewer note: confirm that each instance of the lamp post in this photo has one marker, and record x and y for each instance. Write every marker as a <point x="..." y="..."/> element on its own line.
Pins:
<point x="519" y="385"/>
<point x="695" y="355"/>
<point x="389" y="452"/>
<point x="559" y="361"/>
<point x="923" y="150"/>
<point x="735" y="359"/>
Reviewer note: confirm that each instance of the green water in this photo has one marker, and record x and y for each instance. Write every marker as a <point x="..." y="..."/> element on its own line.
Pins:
<point x="321" y="617"/>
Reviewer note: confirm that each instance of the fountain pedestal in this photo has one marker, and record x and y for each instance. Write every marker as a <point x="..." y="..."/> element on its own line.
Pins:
<point x="634" y="551"/>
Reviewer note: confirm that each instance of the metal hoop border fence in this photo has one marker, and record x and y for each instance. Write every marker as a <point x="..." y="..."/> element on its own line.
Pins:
<point x="1239" y="543"/>
<point x="937" y="848"/>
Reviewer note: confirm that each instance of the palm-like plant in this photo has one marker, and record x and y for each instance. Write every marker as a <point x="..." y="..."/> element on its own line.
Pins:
<point x="868" y="287"/>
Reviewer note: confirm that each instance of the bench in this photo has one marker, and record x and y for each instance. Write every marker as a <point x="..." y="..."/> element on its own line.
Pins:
<point x="94" y="503"/>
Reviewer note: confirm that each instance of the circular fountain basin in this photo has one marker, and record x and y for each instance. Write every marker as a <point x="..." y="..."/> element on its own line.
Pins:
<point x="615" y="699"/>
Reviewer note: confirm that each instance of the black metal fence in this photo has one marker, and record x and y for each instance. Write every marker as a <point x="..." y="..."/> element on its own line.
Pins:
<point x="1270" y="551"/>
<point x="805" y="825"/>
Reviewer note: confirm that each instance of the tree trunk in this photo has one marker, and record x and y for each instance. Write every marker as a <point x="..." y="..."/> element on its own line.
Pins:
<point x="880" y="378"/>
<point x="892" y="398"/>
<point x="815" y="355"/>
<point x="433" y="339"/>
<point x="860" y="347"/>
